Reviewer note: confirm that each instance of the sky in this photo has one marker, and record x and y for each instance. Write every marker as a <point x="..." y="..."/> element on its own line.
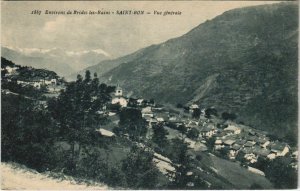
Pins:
<point x="116" y="35"/>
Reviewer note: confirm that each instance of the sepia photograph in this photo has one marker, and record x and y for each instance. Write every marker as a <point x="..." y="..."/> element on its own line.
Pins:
<point x="149" y="95"/>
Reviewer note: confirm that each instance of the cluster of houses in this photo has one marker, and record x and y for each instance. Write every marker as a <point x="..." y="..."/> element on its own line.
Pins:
<point x="241" y="140"/>
<point x="232" y="138"/>
<point x="51" y="84"/>
<point x="251" y="144"/>
<point x="10" y="70"/>
<point x="38" y="82"/>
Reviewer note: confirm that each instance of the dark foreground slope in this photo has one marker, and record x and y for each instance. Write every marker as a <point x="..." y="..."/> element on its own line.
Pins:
<point x="243" y="61"/>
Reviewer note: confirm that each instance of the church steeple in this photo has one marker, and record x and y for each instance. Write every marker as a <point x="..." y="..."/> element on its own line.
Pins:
<point x="119" y="91"/>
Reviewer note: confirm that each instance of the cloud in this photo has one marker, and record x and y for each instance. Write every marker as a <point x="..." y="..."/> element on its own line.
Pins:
<point x="100" y="51"/>
<point x="118" y="35"/>
<point x="79" y="53"/>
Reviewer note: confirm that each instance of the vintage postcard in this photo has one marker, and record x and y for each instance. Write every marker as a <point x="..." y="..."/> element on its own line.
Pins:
<point x="149" y="95"/>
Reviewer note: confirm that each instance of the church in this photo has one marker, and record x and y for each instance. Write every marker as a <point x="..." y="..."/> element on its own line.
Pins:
<point x="118" y="97"/>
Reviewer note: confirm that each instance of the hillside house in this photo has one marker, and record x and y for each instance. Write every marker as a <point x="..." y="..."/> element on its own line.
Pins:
<point x="232" y="129"/>
<point x="251" y="132"/>
<point x="139" y="101"/>
<point x="193" y="107"/>
<point x="11" y="70"/>
<point x="233" y="151"/>
<point x="191" y="123"/>
<point x="249" y="155"/>
<point x="158" y="108"/>
<point x="218" y="144"/>
<point x="175" y="121"/>
<point x="37" y="85"/>
<point x="52" y="88"/>
<point x="175" y="118"/>
<point x="52" y="81"/>
<point x="162" y="117"/>
<point x="249" y="144"/>
<point x="263" y="142"/>
<point x="241" y="141"/>
<point x="22" y="82"/>
<point x="252" y="139"/>
<point x="278" y="149"/>
<point x="294" y="165"/>
<point x="34" y="83"/>
<point x="229" y="142"/>
<point x="295" y="155"/>
<point x="219" y="134"/>
<point x="151" y="121"/>
<point x="261" y="152"/>
<point x="147" y="111"/>
<point x="206" y="132"/>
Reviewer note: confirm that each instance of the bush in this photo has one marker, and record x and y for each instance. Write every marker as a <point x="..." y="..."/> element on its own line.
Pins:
<point x="193" y="133"/>
<point x="211" y="111"/>
<point x="229" y="116"/>
<point x="139" y="169"/>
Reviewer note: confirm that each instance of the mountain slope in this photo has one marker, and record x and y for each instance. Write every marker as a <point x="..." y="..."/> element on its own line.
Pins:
<point x="107" y="65"/>
<point x="246" y="57"/>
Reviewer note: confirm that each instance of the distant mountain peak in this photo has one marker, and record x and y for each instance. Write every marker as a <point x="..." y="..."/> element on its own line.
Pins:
<point x="30" y="51"/>
<point x="80" y="53"/>
<point x="51" y="58"/>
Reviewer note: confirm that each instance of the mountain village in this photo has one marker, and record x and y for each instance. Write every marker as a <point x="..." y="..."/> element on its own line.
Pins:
<point x="235" y="139"/>
<point x="224" y="138"/>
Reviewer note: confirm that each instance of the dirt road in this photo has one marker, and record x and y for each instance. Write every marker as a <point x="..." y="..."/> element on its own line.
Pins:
<point x="14" y="177"/>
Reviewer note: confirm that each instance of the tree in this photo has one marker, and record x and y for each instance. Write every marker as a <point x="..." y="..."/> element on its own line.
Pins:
<point x="131" y="122"/>
<point x="261" y="164"/>
<point x="87" y="76"/>
<point x="114" y="107"/>
<point x="132" y="102"/>
<point x="193" y="133"/>
<point x="292" y="138"/>
<point x="159" y="135"/>
<point x="196" y="113"/>
<point x="228" y="116"/>
<point x="27" y="133"/>
<point x="179" y="105"/>
<point x="224" y="152"/>
<point x="182" y="129"/>
<point x="3" y="72"/>
<point x="151" y="101"/>
<point x="182" y="163"/>
<point x="211" y="143"/>
<point x="139" y="169"/>
<point x="240" y="157"/>
<point x="211" y="111"/>
<point x="76" y="110"/>
<point x="281" y="173"/>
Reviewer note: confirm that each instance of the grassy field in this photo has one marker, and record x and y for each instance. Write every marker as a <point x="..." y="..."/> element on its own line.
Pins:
<point x="240" y="177"/>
